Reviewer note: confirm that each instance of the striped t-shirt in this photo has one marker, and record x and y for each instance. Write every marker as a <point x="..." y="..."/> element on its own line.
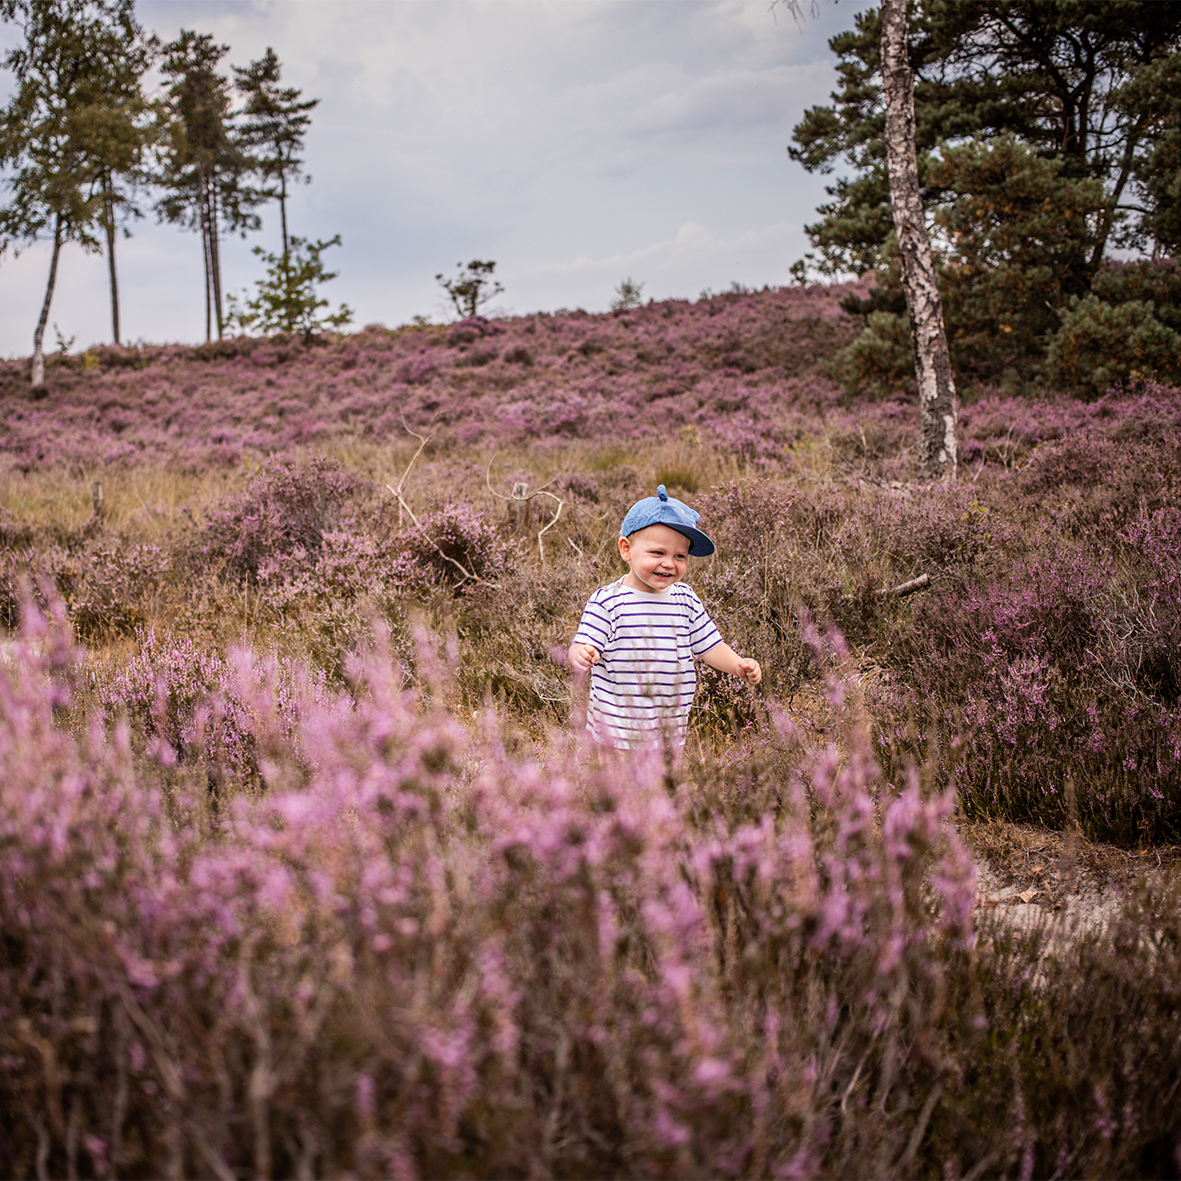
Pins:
<point x="643" y="685"/>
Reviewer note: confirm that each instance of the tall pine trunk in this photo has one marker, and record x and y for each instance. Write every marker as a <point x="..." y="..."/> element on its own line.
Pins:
<point x="109" y="226"/>
<point x="38" y="376"/>
<point x="937" y="399"/>
<point x="283" y="209"/>
<point x="215" y="261"/>
<point x="203" y="216"/>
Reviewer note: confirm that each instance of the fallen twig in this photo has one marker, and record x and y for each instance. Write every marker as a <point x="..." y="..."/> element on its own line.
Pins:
<point x="900" y="591"/>
<point x="907" y="588"/>
<point x="423" y="440"/>
<point x="523" y="497"/>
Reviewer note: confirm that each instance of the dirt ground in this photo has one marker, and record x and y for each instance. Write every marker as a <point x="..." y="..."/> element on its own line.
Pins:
<point x="1035" y="874"/>
<point x="1031" y="874"/>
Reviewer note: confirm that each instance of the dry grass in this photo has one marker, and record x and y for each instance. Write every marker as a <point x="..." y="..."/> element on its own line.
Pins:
<point x="144" y="501"/>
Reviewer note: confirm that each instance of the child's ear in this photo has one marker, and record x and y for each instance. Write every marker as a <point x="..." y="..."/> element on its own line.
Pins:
<point x="625" y="549"/>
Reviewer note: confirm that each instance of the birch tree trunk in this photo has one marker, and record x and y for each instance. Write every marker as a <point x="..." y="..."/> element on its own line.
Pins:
<point x="38" y="376"/>
<point x="937" y="400"/>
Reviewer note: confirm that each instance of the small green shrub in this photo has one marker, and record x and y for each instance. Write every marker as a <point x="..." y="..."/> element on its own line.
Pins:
<point x="1100" y="345"/>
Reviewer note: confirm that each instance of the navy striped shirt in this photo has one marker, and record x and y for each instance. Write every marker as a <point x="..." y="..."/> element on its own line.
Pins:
<point x="643" y="686"/>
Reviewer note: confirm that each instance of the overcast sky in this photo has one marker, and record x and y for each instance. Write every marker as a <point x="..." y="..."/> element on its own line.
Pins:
<point x="574" y="142"/>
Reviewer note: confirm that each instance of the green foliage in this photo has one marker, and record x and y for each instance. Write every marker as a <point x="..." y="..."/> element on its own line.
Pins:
<point x="43" y="131"/>
<point x="286" y="300"/>
<point x="1100" y="345"/>
<point x="75" y="125"/>
<point x="273" y="125"/>
<point x="629" y="294"/>
<point x="471" y="288"/>
<point x="204" y="167"/>
<point x="1018" y="236"/>
<point x="1046" y="133"/>
<point x="1155" y="93"/>
<point x="881" y="358"/>
<point x="799" y="269"/>
<point x="1158" y="281"/>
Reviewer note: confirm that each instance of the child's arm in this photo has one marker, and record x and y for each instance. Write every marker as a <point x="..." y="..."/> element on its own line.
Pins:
<point x="582" y="656"/>
<point x="726" y="660"/>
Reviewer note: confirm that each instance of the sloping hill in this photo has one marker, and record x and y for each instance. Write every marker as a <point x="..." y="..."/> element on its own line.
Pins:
<point x="740" y="367"/>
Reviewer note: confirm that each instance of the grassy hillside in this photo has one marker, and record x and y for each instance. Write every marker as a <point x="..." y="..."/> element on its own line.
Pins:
<point x="742" y="368"/>
<point x="300" y="846"/>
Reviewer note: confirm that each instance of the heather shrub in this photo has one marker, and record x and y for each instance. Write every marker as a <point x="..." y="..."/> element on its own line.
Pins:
<point x="514" y="634"/>
<point x="283" y="513"/>
<point x="1021" y="678"/>
<point x="452" y="548"/>
<point x="14" y="574"/>
<point x="415" y="953"/>
<point x="175" y="697"/>
<point x="13" y="535"/>
<point x="1078" y="486"/>
<point x="806" y="488"/>
<point x="1150" y="619"/>
<point x="948" y="532"/>
<point x="755" y="585"/>
<point x="403" y="946"/>
<point x="108" y="585"/>
<point x="325" y="609"/>
<point x="1076" y="1052"/>
<point x="739" y="369"/>
<point x="786" y="548"/>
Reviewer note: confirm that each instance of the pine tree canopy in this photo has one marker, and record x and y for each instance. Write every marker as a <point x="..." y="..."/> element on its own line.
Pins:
<point x="1048" y="136"/>
<point x="274" y="122"/>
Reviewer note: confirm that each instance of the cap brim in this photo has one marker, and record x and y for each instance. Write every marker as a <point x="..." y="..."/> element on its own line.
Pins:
<point x="700" y="546"/>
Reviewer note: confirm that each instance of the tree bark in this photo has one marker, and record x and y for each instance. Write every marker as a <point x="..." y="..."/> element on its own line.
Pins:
<point x="109" y="226"/>
<point x="215" y="261"/>
<point x="203" y="214"/>
<point x="283" y="210"/>
<point x="937" y="399"/>
<point x="38" y="376"/>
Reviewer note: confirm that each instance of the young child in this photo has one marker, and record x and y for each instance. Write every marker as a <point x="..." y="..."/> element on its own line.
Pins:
<point x="638" y="636"/>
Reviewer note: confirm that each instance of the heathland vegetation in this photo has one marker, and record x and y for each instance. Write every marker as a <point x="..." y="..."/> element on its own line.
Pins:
<point x="305" y="867"/>
<point x="304" y="870"/>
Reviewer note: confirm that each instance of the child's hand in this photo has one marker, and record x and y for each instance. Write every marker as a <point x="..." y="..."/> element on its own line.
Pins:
<point x="582" y="656"/>
<point x="749" y="671"/>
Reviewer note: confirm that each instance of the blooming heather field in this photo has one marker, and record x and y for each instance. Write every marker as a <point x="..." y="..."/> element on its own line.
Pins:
<point x="304" y="870"/>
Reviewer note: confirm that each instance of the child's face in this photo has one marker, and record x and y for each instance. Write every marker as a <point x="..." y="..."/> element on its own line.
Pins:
<point x="657" y="556"/>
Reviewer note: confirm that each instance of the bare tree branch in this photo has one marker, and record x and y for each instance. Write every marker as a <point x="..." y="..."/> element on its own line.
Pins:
<point x="557" y="514"/>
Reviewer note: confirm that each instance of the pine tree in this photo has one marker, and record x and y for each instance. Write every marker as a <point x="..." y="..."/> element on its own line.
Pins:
<point x="204" y="166"/>
<point x="121" y="129"/>
<point x="75" y="112"/>
<point x="471" y="288"/>
<point x="287" y="300"/>
<point x="1045" y="133"/>
<point x="274" y="122"/>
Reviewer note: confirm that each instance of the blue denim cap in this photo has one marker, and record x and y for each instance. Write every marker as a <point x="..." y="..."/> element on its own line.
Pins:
<point x="663" y="509"/>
